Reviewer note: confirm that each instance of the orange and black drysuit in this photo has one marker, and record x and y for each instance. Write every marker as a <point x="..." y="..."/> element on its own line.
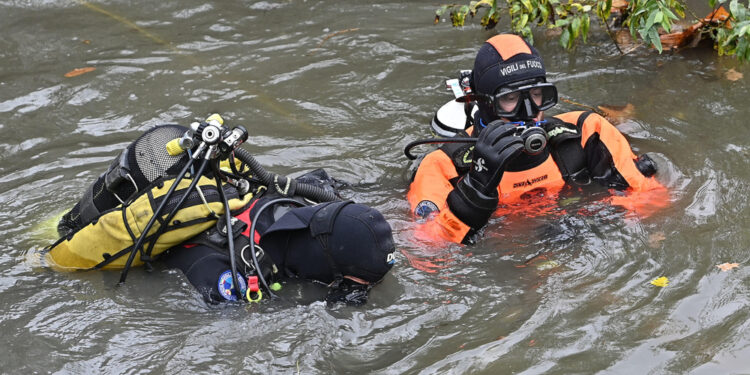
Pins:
<point x="582" y="147"/>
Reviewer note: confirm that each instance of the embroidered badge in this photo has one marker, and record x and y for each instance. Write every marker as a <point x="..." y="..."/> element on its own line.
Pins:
<point x="226" y="286"/>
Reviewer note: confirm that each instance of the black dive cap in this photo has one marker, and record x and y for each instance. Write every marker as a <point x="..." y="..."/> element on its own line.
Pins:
<point x="501" y="61"/>
<point x="330" y="240"/>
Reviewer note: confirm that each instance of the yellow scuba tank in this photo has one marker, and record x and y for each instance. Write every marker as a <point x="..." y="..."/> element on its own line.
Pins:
<point x="114" y="211"/>
<point x="104" y="242"/>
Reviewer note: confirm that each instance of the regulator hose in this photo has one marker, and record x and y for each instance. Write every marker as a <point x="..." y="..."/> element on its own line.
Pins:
<point x="290" y="186"/>
<point x="230" y="234"/>
<point x="411" y="145"/>
<point x="254" y="221"/>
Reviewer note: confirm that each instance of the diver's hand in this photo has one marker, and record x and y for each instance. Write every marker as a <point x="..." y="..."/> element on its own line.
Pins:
<point x="495" y="148"/>
<point x="475" y="197"/>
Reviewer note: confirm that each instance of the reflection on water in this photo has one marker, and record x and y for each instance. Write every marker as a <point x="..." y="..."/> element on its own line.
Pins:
<point x="564" y="289"/>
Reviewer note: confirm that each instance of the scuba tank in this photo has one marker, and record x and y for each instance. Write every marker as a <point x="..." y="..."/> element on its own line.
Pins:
<point x="105" y="223"/>
<point x="449" y="120"/>
<point x="457" y="114"/>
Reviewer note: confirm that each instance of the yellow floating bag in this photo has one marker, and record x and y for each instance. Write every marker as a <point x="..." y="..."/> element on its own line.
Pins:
<point x="105" y="242"/>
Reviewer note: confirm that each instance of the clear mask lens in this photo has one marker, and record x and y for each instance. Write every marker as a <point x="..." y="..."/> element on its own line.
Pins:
<point x="528" y="100"/>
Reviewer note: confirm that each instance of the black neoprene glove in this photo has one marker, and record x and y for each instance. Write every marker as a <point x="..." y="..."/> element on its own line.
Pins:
<point x="475" y="197"/>
<point x="495" y="147"/>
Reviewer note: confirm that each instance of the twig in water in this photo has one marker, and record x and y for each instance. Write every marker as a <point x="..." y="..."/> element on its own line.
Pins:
<point x="595" y="110"/>
<point x="331" y="35"/>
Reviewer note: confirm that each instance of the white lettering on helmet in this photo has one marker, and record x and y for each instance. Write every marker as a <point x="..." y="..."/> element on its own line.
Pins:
<point x="391" y="258"/>
<point x="521" y="65"/>
<point x="534" y="64"/>
<point x="509" y="69"/>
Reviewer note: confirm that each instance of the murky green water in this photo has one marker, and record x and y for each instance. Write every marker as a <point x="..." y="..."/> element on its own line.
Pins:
<point x="563" y="293"/>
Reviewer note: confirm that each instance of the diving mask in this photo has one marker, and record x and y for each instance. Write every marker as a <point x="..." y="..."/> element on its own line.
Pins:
<point x="523" y="102"/>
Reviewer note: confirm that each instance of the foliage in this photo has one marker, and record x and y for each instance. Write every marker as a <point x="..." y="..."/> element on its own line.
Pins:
<point x="733" y="39"/>
<point x="647" y="20"/>
<point x="646" y="16"/>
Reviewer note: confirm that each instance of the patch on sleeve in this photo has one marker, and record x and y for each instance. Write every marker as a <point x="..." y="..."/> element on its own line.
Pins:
<point x="425" y="208"/>
<point x="226" y="286"/>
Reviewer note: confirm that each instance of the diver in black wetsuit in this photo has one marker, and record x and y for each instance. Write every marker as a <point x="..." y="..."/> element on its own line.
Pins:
<point x="344" y="245"/>
<point x="281" y="227"/>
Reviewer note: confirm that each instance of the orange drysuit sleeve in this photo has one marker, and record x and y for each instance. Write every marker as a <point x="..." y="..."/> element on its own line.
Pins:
<point x="644" y="194"/>
<point x="432" y="182"/>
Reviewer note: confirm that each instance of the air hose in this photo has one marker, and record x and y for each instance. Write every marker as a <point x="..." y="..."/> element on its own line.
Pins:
<point x="284" y="185"/>
<point x="254" y="221"/>
<point x="411" y="145"/>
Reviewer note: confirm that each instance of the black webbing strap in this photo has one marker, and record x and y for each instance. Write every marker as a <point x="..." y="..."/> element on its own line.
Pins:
<point x="321" y="226"/>
<point x="460" y="153"/>
<point x="567" y="152"/>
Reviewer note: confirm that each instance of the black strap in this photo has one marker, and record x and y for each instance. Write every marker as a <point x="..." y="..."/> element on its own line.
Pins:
<point x="460" y="153"/>
<point x="566" y="150"/>
<point x="118" y="172"/>
<point x="321" y="226"/>
<point x="109" y="258"/>
<point x="88" y="210"/>
<point x="468" y="108"/>
<point x="216" y="236"/>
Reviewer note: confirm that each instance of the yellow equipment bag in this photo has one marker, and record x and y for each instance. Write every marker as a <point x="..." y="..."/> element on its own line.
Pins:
<point x="107" y="241"/>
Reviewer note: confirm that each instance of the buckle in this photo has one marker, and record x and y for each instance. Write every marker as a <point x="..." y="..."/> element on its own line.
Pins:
<point x="579" y="177"/>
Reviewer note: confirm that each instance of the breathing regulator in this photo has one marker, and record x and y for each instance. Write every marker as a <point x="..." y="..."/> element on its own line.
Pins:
<point x="456" y="115"/>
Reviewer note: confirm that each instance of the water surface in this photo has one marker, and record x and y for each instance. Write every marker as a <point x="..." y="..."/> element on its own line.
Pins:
<point x="344" y="86"/>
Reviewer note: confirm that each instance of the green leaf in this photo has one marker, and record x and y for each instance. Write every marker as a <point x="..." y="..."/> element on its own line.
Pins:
<point x="440" y="11"/>
<point x="639" y="12"/>
<point x="490" y="18"/>
<point x="526" y="4"/>
<point x="586" y="24"/>
<point x="604" y="9"/>
<point x="575" y="27"/>
<point x="543" y="15"/>
<point x="734" y="7"/>
<point x="742" y="49"/>
<point x="671" y="15"/>
<point x="565" y="38"/>
<point x="659" y="16"/>
<point x="650" y="21"/>
<point x="654" y="38"/>
<point x="524" y="20"/>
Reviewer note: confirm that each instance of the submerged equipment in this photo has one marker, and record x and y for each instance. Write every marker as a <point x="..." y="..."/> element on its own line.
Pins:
<point x="153" y="197"/>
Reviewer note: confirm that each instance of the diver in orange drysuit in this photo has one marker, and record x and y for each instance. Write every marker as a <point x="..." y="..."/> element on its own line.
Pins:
<point x="458" y="187"/>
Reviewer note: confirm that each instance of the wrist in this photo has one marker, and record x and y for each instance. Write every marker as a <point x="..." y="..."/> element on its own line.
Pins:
<point x="478" y="194"/>
<point x="471" y="205"/>
<point x="483" y="182"/>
